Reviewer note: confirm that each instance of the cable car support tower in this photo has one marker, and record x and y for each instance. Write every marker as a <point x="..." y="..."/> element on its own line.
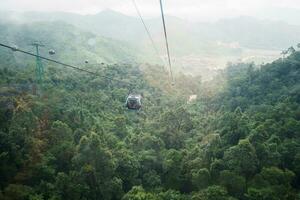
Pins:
<point x="39" y="70"/>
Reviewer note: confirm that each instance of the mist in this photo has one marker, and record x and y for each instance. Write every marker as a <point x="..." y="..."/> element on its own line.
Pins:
<point x="193" y="10"/>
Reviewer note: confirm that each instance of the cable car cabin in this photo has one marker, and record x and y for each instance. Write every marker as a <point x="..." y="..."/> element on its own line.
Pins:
<point x="134" y="102"/>
<point x="15" y="48"/>
<point x="51" y="52"/>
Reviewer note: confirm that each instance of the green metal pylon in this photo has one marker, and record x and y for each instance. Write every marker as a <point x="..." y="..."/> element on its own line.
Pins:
<point x="39" y="65"/>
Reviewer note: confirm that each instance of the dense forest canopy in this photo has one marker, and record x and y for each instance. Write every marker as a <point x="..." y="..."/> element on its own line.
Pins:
<point x="73" y="138"/>
<point x="70" y="136"/>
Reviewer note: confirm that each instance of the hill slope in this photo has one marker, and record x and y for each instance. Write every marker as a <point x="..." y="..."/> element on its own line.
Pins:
<point x="70" y="43"/>
<point x="76" y="141"/>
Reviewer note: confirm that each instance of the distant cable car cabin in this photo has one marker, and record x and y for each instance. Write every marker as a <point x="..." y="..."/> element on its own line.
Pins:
<point x="15" y="48"/>
<point x="51" y="52"/>
<point x="134" y="102"/>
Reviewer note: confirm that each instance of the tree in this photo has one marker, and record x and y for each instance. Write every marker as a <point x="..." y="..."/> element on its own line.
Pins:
<point x="201" y="178"/>
<point x="67" y="186"/>
<point x="242" y="158"/>
<point x="151" y="179"/>
<point x="128" y="168"/>
<point x="96" y="166"/>
<point x="216" y="167"/>
<point x="276" y="176"/>
<point x="284" y="53"/>
<point x="172" y="169"/>
<point x="272" y="183"/>
<point x="291" y="50"/>
<point x="16" y="192"/>
<point x="235" y="184"/>
<point x="262" y="194"/>
<point x="233" y="127"/>
<point x="212" y="193"/>
<point x="59" y="132"/>
<point x="138" y="193"/>
<point x="296" y="166"/>
<point x="171" y="195"/>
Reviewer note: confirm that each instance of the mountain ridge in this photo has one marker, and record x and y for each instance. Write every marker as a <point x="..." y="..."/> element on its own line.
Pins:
<point x="195" y="47"/>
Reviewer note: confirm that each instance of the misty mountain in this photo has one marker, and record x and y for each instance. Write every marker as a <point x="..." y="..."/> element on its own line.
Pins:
<point x="290" y="15"/>
<point x="196" y="48"/>
<point x="107" y="23"/>
<point x="251" y="33"/>
<point x="246" y="31"/>
<point x="70" y="43"/>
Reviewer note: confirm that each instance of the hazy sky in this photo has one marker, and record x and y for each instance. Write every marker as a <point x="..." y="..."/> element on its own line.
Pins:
<point x="202" y="10"/>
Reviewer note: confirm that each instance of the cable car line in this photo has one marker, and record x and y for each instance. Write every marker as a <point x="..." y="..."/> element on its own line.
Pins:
<point x="145" y="26"/>
<point x="166" y="39"/>
<point x="13" y="48"/>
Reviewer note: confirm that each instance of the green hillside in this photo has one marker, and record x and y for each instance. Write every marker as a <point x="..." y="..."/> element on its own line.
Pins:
<point x="70" y="43"/>
<point x="71" y="137"/>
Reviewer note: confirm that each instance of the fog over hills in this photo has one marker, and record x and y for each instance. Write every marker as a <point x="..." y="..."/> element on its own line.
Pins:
<point x="71" y="44"/>
<point x="195" y="47"/>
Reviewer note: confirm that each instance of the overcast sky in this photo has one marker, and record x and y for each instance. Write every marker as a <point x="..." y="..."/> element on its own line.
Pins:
<point x="200" y="10"/>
